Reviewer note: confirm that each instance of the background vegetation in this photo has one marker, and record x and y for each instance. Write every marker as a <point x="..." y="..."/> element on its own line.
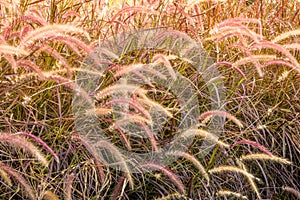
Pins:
<point x="255" y="45"/>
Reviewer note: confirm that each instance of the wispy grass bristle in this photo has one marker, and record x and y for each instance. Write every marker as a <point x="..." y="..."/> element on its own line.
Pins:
<point x="204" y="134"/>
<point x="117" y="154"/>
<point x="286" y="35"/>
<point x="221" y="114"/>
<point x="20" y="142"/>
<point x="225" y="168"/>
<point x="51" y="31"/>
<point x="107" y="91"/>
<point x="230" y="193"/>
<point x="165" y="171"/>
<point x="41" y="142"/>
<point x="262" y="156"/>
<point x="191" y="158"/>
<point x="254" y="144"/>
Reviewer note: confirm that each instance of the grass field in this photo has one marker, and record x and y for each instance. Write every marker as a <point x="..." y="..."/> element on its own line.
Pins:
<point x="67" y="76"/>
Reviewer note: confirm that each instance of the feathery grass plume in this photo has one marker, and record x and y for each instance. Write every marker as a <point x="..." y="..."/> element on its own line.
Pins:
<point x="174" y="33"/>
<point x="227" y="34"/>
<point x="132" y="118"/>
<point x="7" y="49"/>
<point x="68" y="186"/>
<point x="133" y="103"/>
<point x="292" y="191"/>
<point x="10" y="59"/>
<point x="32" y="66"/>
<point x="146" y="101"/>
<point x="221" y="114"/>
<point x="116" y="126"/>
<point x="24" y="31"/>
<point x="51" y="31"/>
<point x="281" y="62"/>
<point x="250" y="180"/>
<point x="71" y="41"/>
<point x="233" y="67"/>
<point x="33" y="18"/>
<point x="235" y="29"/>
<point x="109" y="90"/>
<point x="227" y="168"/>
<point x="138" y="67"/>
<point x="114" y="151"/>
<point x="5" y="177"/>
<point x="150" y="136"/>
<point x="241" y="20"/>
<point x="204" y="134"/>
<point x="134" y="10"/>
<point x="94" y="154"/>
<point x="230" y="193"/>
<point x="254" y="59"/>
<point x="283" y="76"/>
<point x="165" y="171"/>
<point x="262" y="156"/>
<point x="161" y="58"/>
<point x="193" y="160"/>
<point x="41" y="142"/>
<point x="248" y="53"/>
<point x="99" y="111"/>
<point x="286" y="35"/>
<point x="277" y="47"/>
<point x="49" y="195"/>
<point x="20" y="142"/>
<point x="254" y="144"/>
<point x="295" y="46"/>
<point x="175" y="195"/>
<point x="56" y="55"/>
<point x="11" y="172"/>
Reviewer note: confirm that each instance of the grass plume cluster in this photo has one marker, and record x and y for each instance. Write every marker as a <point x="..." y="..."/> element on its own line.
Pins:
<point x="254" y="44"/>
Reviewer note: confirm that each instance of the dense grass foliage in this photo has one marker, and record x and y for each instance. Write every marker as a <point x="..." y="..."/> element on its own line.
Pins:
<point x="255" y="45"/>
